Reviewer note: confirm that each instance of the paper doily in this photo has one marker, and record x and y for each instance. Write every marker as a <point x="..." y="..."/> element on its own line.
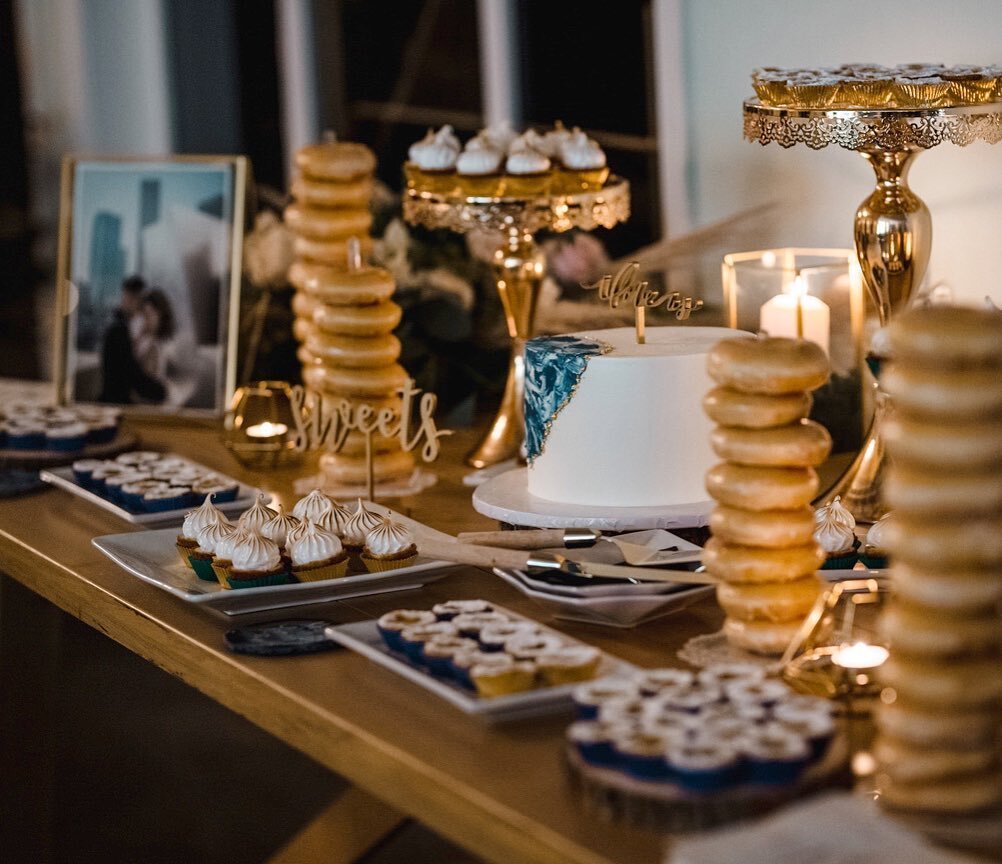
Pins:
<point x="418" y="481"/>
<point x="713" y="648"/>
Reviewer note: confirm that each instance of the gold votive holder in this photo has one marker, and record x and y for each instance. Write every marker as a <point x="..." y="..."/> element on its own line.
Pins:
<point x="260" y="427"/>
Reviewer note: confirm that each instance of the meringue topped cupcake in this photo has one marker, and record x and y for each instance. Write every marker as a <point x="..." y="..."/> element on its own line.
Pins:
<point x="874" y="552"/>
<point x="256" y="563"/>
<point x="834" y="534"/>
<point x="582" y="163"/>
<point x="479" y="168"/>
<point x="316" y="554"/>
<point x="209" y="540"/>
<point x="528" y="170"/>
<point x="388" y="546"/>
<point x="356" y="530"/>
<point x="313" y="506"/>
<point x="222" y="560"/>
<point x="277" y="528"/>
<point x="431" y="164"/>
<point x="259" y="513"/>
<point x="187" y="540"/>
<point x="335" y="519"/>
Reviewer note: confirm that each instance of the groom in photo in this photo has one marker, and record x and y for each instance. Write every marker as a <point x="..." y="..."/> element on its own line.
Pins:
<point x="122" y="377"/>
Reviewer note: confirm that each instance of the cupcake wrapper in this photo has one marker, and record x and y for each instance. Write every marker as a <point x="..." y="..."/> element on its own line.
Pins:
<point x="184" y="550"/>
<point x="311" y="573"/>
<point x="382" y="565"/>
<point x="221" y="569"/>
<point x="66" y="445"/>
<point x="874" y="562"/>
<point x="262" y="581"/>
<point x="202" y="568"/>
<point x="840" y="562"/>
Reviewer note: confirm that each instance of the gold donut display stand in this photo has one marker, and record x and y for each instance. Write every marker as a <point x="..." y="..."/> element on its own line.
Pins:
<point x="518" y="267"/>
<point x="893" y="226"/>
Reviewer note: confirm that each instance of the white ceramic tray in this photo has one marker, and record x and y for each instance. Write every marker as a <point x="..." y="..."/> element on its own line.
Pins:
<point x="363" y="637"/>
<point x="152" y="557"/>
<point x="64" y="479"/>
<point x="506" y="498"/>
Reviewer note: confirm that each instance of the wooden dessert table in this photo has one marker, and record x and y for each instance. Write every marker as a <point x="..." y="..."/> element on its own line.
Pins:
<point x="501" y="791"/>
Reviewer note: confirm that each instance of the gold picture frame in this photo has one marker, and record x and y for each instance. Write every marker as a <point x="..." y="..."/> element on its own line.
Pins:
<point x="167" y="341"/>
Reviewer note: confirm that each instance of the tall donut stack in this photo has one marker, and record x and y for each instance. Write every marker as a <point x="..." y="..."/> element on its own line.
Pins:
<point x="940" y="717"/>
<point x="762" y="546"/>
<point x="344" y="315"/>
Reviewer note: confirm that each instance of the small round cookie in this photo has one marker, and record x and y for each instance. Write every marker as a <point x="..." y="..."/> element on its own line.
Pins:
<point x="354" y="352"/>
<point x="334" y="253"/>
<point x="926" y="631"/>
<point x="749" y="564"/>
<point x="963" y="683"/>
<point x="943" y="726"/>
<point x="971" y="543"/>
<point x="351" y="470"/>
<point x="326" y="193"/>
<point x="335" y="160"/>
<point x="303" y="305"/>
<point x="730" y="407"/>
<point x="759" y="488"/>
<point x="905" y="763"/>
<point x="368" y="320"/>
<point x="768" y="365"/>
<point x="761" y="637"/>
<point x="958" y="590"/>
<point x="302" y="329"/>
<point x="363" y="383"/>
<point x="369" y="285"/>
<point x="948" y="335"/>
<point x="944" y="393"/>
<point x="944" y="445"/>
<point x="799" y="445"/>
<point x="325" y="223"/>
<point x="943" y="493"/>
<point x="769" y="601"/>
<point x="769" y="529"/>
<point x="949" y="795"/>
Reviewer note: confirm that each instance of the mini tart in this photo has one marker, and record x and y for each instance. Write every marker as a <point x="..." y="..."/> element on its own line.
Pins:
<point x="439" y="651"/>
<point x="403" y="558"/>
<point x="503" y="679"/>
<point x="392" y="624"/>
<point x="316" y="555"/>
<point x="256" y="563"/>
<point x="451" y="608"/>
<point x="569" y="665"/>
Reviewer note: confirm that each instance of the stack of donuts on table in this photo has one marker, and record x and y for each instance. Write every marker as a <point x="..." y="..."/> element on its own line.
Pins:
<point x="344" y="315"/>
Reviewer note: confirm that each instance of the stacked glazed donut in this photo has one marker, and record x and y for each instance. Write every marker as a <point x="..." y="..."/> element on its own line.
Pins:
<point x="762" y="546"/>
<point x="344" y="315"/>
<point x="940" y="721"/>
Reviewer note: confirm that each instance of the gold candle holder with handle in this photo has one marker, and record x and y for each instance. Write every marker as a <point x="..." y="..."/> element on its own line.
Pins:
<point x="518" y="269"/>
<point x="893" y="226"/>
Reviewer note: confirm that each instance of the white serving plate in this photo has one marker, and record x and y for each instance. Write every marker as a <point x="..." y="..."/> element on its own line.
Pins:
<point x="152" y="557"/>
<point x="64" y="479"/>
<point x="616" y="610"/>
<point x="363" y="637"/>
<point x="506" y="498"/>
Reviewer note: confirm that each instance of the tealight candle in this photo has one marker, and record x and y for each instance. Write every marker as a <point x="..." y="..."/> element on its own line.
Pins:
<point x="797" y="315"/>
<point x="267" y="429"/>
<point x="859" y="655"/>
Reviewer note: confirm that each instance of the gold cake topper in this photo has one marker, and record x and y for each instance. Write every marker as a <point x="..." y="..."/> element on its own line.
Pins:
<point x="626" y="287"/>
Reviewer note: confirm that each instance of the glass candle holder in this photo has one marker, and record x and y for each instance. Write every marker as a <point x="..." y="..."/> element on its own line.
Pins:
<point x="260" y="427"/>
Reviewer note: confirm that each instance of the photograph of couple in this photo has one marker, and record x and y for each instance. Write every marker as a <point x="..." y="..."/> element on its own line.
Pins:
<point x="150" y="270"/>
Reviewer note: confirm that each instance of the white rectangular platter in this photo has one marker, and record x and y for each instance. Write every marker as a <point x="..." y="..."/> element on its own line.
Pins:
<point x="64" y="479"/>
<point x="363" y="637"/>
<point x="152" y="557"/>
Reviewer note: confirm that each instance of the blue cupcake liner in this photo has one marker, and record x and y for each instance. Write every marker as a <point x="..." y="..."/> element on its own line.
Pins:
<point x="101" y="434"/>
<point x="224" y="497"/>
<point x="874" y="562"/>
<point x="704" y="780"/>
<point x="161" y="505"/>
<point x="282" y="578"/>
<point x="392" y="638"/>
<point x="774" y="772"/>
<point x="26" y="440"/>
<point x="600" y="753"/>
<point x="842" y="562"/>
<point x="645" y="767"/>
<point x="203" y="568"/>
<point x="440" y="666"/>
<point x="66" y="445"/>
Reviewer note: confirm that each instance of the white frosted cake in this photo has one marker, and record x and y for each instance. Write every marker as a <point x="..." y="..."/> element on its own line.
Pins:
<point x="610" y="422"/>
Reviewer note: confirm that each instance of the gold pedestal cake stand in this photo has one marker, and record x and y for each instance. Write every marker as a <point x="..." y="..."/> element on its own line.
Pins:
<point x="518" y="267"/>
<point x="893" y="227"/>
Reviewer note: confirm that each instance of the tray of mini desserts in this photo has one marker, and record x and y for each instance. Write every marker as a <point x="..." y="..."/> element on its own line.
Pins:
<point x="45" y="435"/>
<point x="687" y="750"/>
<point x="480" y="657"/>
<point x="269" y="559"/>
<point x="145" y="487"/>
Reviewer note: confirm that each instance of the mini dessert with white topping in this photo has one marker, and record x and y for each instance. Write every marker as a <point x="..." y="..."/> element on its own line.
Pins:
<point x="388" y="546"/>
<point x="316" y="554"/>
<point x="256" y="563"/>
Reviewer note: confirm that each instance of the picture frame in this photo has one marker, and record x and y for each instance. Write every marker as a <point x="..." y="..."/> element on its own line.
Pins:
<point x="148" y="281"/>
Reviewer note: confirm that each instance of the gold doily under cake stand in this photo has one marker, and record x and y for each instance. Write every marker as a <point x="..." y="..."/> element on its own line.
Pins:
<point x="518" y="267"/>
<point x="893" y="227"/>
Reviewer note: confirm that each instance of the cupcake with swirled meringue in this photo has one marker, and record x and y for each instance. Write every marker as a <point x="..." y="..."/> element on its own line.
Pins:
<point x="529" y="171"/>
<point x="335" y="519"/>
<point x="256" y="515"/>
<point x="479" y="169"/>
<point x="838" y="540"/>
<point x="187" y="539"/>
<point x="314" y="506"/>
<point x="388" y="546"/>
<point x="277" y="528"/>
<point x="874" y="552"/>
<point x="256" y="563"/>
<point x="210" y="538"/>
<point x="837" y="511"/>
<point x="431" y="162"/>
<point x="316" y="554"/>
<point x="582" y="164"/>
<point x="356" y="532"/>
<point x="222" y="560"/>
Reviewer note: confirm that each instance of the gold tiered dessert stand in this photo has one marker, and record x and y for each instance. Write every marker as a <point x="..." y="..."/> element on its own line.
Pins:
<point x="893" y="227"/>
<point x="518" y="268"/>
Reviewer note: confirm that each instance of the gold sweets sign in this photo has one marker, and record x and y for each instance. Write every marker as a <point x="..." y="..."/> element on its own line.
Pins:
<point x="626" y="287"/>
<point x="324" y="423"/>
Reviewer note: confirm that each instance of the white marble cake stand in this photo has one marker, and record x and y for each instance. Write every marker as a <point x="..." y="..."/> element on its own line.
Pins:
<point x="506" y="498"/>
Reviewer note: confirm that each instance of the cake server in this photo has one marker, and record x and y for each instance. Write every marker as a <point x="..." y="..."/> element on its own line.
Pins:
<point x="619" y="571"/>
<point x="533" y="538"/>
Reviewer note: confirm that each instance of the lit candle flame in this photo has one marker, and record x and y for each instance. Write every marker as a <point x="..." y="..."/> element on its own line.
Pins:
<point x="266" y="430"/>
<point x="859" y="655"/>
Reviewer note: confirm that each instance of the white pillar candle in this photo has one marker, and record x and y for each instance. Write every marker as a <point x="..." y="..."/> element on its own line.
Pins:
<point x="859" y="655"/>
<point x="267" y="430"/>
<point x="797" y="315"/>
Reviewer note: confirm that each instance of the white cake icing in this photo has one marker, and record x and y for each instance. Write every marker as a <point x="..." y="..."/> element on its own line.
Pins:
<point x="633" y="434"/>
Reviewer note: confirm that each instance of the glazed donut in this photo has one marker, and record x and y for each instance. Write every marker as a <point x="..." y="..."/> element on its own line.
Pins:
<point x="963" y="683"/>
<point x="769" y="365"/>
<point x="756" y="488"/>
<point x="948" y="335"/>
<point x="761" y="637"/>
<point x="925" y="631"/>
<point x="749" y="564"/>
<point x="369" y="320"/>
<point x="755" y="410"/>
<point x="957" y="590"/>
<point x="769" y="601"/>
<point x="331" y="252"/>
<point x="354" y="444"/>
<point x="320" y="193"/>
<point x="370" y="285"/>
<point x="304" y="356"/>
<point x="769" y="529"/>
<point x="943" y="493"/>
<point x="972" y="543"/>
<point x="904" y="763"/>
<point x="949" y="795"/>
<point x="803" y="444"/>
<point x="325" y="223"/>
<point x="937" y="727"/>
<point x="335" y="160"/>
<point x="302" y="328"/>
<point x="303" y="305"/>
<point x="945" y="445"/>
<point x="362" y="383"/>
<point x="351" y="470"/>
<point x="354" y="352"/>
<point x="944" y="393"/>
